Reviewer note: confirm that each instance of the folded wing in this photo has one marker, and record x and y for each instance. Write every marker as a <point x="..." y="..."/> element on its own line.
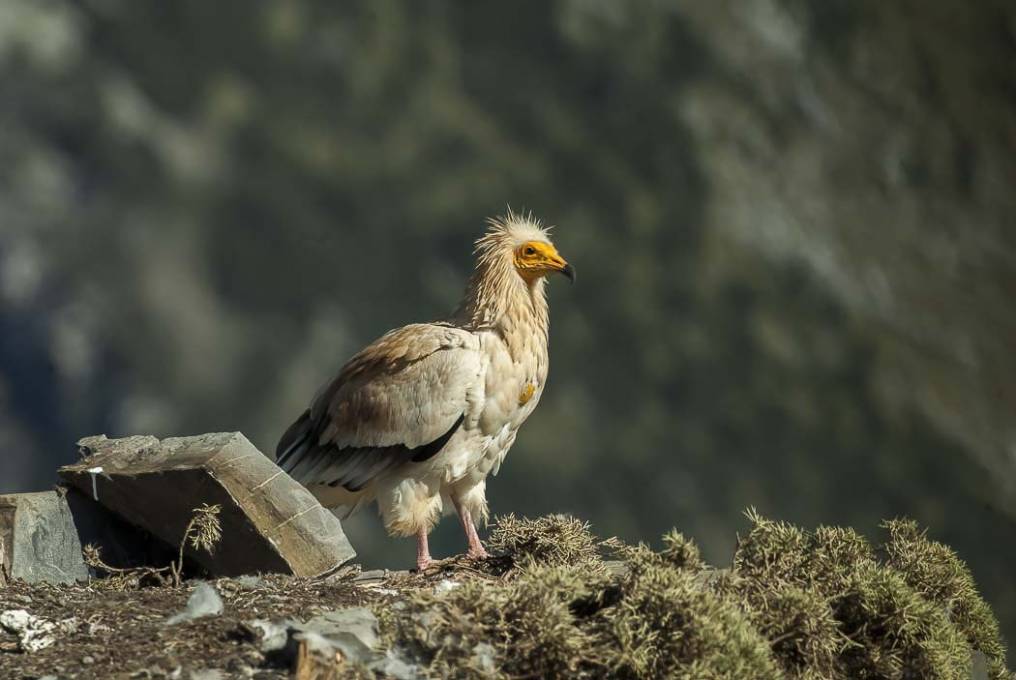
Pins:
<point x="399" y="400"/>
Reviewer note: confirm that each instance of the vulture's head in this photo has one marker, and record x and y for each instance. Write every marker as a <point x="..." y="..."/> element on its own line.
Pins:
<point x="524" y="244"/>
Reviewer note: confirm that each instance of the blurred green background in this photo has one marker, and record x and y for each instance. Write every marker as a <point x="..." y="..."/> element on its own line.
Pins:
<point x="794" y="223"/>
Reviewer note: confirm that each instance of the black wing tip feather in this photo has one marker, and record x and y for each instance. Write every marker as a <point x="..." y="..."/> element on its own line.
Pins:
<point x="292" y="439"/>
<point x="353" y="468"/>
<point x="427" y="451"/>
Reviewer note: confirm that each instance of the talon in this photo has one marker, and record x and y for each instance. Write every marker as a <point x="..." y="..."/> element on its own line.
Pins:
<point x="477" y="553"/>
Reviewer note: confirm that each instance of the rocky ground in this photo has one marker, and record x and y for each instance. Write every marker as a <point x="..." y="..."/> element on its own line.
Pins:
<point x="125" y="634"/>
<point x="557" y="602"/>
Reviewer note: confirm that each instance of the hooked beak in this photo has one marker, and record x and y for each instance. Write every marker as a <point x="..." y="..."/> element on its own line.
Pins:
<point x="556" y="263"/>
<point x="551" y="261"/>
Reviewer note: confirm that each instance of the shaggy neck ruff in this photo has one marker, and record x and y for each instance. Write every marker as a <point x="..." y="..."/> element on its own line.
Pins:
<point x="498" y="298"/>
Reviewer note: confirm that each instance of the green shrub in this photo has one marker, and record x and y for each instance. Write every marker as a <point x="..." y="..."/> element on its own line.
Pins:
<point x="666" y="624"/>
<point x="939" y="575"/>
<point x="796" y="604"/>
<point x="554" y="540"/>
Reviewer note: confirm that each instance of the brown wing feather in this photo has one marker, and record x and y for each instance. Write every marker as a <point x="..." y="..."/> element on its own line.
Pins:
<point x="399" y="400"/>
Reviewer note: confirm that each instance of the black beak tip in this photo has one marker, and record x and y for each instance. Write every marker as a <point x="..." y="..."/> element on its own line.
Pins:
<point x="569" y="271"/>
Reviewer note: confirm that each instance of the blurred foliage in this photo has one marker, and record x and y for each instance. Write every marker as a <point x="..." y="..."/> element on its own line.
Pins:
<point x="791" y="219"/>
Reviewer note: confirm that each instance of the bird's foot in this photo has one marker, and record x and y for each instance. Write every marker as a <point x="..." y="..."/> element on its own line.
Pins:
<point x="423" y="558"/>
<point x="477" y="552"/>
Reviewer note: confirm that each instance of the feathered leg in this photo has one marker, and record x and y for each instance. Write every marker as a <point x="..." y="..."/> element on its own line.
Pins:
<point x="423" y="558"/>
<point x="476" y="549"/>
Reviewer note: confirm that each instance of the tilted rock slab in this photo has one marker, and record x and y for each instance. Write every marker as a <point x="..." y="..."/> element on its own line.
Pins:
<point x="42" y="533"/>
<point x="270" y="523"/>
<point x="38" y="539"/>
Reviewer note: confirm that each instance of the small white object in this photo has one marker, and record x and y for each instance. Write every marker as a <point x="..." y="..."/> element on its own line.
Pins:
<point x="95" y="488"/>
<point x="35" y="632"/>
<point x="274" y="636"/>
<point x="15" y="620"/>
<point x="204" y="601"/>
<point x="446" y="586"/>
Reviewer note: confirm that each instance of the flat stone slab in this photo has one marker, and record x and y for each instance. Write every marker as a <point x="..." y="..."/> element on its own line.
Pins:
<point x="42" y="534"/>
<point x="270" y="523"/>
<point x="38" y="539"/>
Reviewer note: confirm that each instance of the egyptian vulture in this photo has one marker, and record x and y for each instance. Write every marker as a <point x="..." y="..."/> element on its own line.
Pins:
<point x="418" y="419"/>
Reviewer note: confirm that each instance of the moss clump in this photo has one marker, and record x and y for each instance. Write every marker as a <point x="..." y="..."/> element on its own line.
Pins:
<point x="832" y="609"/>
<point x="940" y="576"/>
<point x="795" y="604"/>
<point x="799" y="624"/>
<point x="777" y="552"/>
<point x="554" y="540"/>
<point x="664" y="623"/>
<point x="894" y="632"/>
<point x="527" y="626"/>
<point x="680" y="551"/>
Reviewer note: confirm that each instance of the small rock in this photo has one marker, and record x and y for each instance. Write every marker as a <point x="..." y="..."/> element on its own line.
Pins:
<point x="353" y="631"/>
<point x="236" y="667"/>
<point x="249" y="582"/>
<point x="35" y="632"/>
<point x="87" y="660"/>
<point x="95" y="628"/>
<point x="204" y="601"/>
<point x="445" y="586"/>
<point x="483" y="657"/>
<point x="344" y="573"/>
<point x="207" y="674"/>
<point x="978" y="665"/>
<point x="370" y="575"/>
<point x="15" y="620"/>
<point x="350" y="634"/>
<point x="38" y="540"/>
<point x="274" y="636"/>
<point x="393" y="665"/>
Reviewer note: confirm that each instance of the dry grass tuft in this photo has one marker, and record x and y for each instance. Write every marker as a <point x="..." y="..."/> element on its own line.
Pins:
<point x="799" y="604"/>
<point x="554" y="540"/>
<point x="203" y="532"/>
<point x="941" y="577"/>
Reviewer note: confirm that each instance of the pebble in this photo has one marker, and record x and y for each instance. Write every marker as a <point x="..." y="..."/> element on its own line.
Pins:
<point x="203" y="601"/>
<point x="95" y="628"/>
<point x="445" y="586"/>
<point x="207" y="674"/>
<point x="249" y="582"/>
<point x="371" y="575"/>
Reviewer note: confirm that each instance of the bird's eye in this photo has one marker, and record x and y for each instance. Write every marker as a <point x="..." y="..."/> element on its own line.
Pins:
<point x="530" y="250"/>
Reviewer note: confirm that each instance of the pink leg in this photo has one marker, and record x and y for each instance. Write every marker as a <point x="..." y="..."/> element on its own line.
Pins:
<point x="476" y="549"/>
<point x="423" y="558"/>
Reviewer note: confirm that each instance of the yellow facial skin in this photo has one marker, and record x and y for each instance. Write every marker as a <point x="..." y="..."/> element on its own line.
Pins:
<point x="534" y="259"/>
